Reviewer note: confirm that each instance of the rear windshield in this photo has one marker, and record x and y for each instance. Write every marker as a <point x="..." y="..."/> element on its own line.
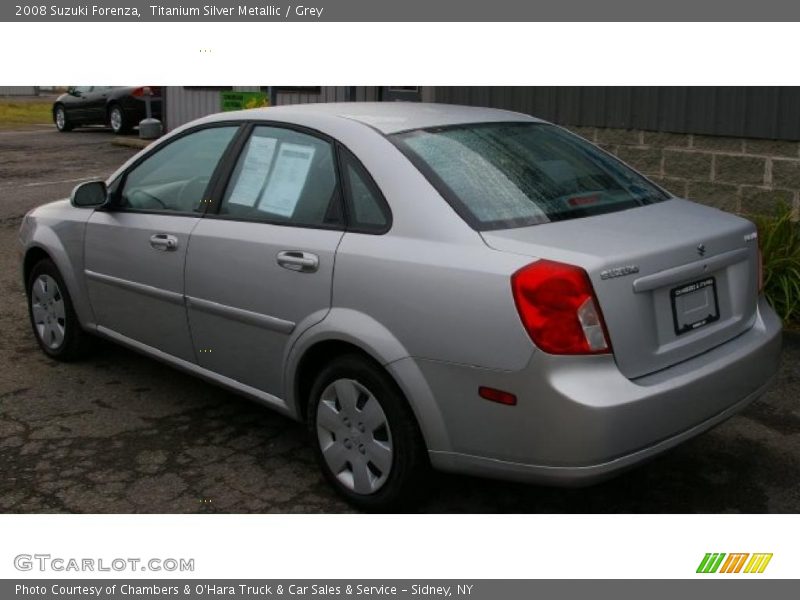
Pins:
<point x="503" y="175"/>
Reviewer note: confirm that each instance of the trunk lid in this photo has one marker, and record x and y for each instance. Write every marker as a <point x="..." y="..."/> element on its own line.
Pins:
<point x="673" y="279"/>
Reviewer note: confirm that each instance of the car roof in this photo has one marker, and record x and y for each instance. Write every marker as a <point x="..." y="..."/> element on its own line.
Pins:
<point x="386" y="117"/>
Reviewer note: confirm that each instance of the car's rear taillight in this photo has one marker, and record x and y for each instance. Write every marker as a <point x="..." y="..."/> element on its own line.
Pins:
<point x="558" y="308"/>
<point x="146" y="90"/>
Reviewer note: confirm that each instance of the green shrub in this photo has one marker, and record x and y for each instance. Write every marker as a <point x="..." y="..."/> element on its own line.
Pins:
<point x="779" y="239"/>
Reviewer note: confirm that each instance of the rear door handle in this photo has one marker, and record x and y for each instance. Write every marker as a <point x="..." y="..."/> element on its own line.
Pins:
<point x="163" y="241"/>
<point x="295" y="260"/>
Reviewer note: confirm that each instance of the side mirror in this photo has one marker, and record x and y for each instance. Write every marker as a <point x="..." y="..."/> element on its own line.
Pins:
<point x="73" y="91"/>
<point x="89" y="194"/>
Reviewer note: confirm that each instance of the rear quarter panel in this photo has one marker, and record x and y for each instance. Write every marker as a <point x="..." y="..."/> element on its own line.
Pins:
<point x="442" y="301"/>
<point x="431" y="281"/>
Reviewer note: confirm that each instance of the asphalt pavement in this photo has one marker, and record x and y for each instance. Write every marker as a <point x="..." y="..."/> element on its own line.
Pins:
<point x="119" y="432"/>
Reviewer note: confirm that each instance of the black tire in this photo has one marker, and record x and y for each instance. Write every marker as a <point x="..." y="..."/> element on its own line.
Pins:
<point x="76" y="343"/>
<point x="62" y="124"/>
<point x="409" y="463"/>
<point x="118" y="125"/>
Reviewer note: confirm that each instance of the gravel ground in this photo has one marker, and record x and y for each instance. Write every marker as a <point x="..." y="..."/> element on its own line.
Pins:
<point x="123" y="433"/>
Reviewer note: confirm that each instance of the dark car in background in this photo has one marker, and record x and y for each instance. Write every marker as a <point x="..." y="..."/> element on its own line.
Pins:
<point x="120" y="108"/>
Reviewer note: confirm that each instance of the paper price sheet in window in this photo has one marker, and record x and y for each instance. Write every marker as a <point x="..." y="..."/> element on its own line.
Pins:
<point x="273" y="188"/>
<point x="255" y="170"/>
<point x="287" y="180"/>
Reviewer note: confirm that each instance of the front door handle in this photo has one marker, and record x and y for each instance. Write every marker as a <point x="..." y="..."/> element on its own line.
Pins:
<point x="163" y="241"/>
<point x="295" y="260"/>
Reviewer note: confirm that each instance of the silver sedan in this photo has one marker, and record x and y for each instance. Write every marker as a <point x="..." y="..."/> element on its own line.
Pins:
<point x="424" y="285"/>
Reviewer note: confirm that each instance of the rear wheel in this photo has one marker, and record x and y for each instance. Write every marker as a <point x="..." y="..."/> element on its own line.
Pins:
<point x="52" y="316"/>
<point x="117" y="120"/>
<point x="61" y="120"/>
<point x="365" y="436"/>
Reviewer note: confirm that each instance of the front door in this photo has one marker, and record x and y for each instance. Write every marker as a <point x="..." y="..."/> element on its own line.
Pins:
<point x="77" y="103"/>
<point x="262" y="268"/>
<point x="135" y="251"/>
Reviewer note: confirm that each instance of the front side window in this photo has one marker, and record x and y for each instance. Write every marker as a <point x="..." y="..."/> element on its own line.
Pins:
<point x="284" y="176"/>
<point x="175" y="177"/>
<point x="502" y="175"/>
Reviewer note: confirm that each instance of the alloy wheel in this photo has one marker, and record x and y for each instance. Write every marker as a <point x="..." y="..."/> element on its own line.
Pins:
<point x="116" y="119"/>
<point x="61" y="118"/>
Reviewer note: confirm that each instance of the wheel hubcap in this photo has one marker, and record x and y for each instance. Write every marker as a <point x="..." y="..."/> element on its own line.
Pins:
<point x="354" y="436"/>
<point x="116" y="119"/>
<point x="47" y="308"/>
<point x="60" y="118"/>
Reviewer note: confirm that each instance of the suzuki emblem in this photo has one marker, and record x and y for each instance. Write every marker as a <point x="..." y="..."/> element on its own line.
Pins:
<point x="701" y="249"/>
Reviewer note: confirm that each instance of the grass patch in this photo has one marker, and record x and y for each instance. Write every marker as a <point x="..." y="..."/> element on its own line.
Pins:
<point x="29" y="112"/>
<point x="779" y="239"/>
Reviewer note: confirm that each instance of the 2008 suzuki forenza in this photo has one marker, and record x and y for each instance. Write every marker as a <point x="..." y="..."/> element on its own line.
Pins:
<point x="471" y="289"/>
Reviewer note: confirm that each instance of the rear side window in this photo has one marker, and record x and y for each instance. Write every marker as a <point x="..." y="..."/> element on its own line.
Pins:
<point x="284" y="176"/>
<point x="367" y="209"/>
<point x="502" y="175"/>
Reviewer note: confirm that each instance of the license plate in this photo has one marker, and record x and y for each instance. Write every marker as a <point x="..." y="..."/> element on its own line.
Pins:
<point x="694" y="305"/>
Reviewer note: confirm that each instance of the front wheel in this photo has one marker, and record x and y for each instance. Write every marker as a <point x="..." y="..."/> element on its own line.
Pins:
<point x="61" y="120"/>
<point x="52" y="316"/>
<point x="365" y="436"/>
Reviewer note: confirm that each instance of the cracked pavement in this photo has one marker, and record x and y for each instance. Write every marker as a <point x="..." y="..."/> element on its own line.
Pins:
<point x="120" y="433"/>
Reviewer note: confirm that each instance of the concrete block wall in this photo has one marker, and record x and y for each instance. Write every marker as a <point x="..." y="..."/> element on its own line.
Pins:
<point x="739" y="175"/>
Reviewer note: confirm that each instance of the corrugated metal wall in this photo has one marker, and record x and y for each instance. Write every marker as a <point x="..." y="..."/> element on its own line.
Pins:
<point x="341" y="93"/>
<point x="282" y="97"/>
<point x="18" y="90"/>
<point x="184" y="104"/>
<point x="751" y="112"/>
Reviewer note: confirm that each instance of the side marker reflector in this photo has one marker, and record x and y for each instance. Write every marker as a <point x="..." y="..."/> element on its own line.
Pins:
<point x="499" y="396"/>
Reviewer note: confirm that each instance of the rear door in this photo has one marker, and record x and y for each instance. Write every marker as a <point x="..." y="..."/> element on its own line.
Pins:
<point x="262" y="266"/>
<point x="135" y="251"/>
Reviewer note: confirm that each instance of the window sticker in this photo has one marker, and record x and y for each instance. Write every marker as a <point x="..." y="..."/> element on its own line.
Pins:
<point x="288" y="179"/>
<point x="255" y="171"/>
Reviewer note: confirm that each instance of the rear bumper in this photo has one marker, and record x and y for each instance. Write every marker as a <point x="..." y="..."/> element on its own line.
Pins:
<point x="577" y="475"/>
<point x="579" y="420"/>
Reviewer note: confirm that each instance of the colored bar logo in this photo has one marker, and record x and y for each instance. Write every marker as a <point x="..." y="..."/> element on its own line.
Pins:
<point x="719" y="562"/>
